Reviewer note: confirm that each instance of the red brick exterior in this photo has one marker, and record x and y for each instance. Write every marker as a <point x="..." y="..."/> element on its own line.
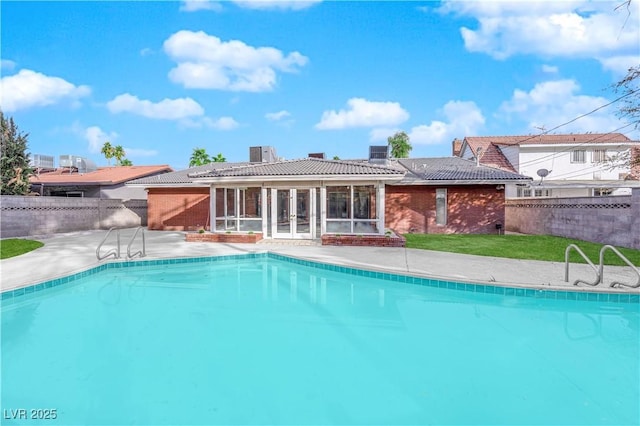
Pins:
<point x="363" y="240"/>
<point x="470" y="209"/>
<point x="208" y="237"/>
<point x="178" y="209"/>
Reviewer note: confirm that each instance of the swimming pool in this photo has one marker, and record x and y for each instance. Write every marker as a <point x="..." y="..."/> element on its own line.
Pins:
<point x="264" y="339"/>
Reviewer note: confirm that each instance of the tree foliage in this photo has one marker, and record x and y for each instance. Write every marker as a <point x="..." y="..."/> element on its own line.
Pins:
<point x="400" y="145"/>
<point x="629" y="90"/>
<point x="14" y="162"/>
<point x="199" y="157"/>
<point x="219" y="158"/>
<point x="108" y="151"/>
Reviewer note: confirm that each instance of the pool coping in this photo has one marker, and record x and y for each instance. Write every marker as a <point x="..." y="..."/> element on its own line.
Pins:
<point x="576" y="293"/>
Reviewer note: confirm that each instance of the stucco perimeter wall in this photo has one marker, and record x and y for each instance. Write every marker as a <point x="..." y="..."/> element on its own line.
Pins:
<point x="470" y="209"/>
<point x="605" y="220"/>
<point x="25" y="216"/>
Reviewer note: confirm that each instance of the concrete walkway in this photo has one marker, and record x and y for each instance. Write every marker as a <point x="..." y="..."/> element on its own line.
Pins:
<point x="64" y="254"/>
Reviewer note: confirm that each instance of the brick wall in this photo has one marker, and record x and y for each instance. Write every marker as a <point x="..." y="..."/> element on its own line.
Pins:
<point x="605" y="220"/>
<point x="471" y="209"/>
<point x="178" y="209"/>
<point x="25" y="216"/>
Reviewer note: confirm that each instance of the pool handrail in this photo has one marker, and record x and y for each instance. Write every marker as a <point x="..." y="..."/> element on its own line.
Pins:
<point x="584" y="256"/>
<point x="141" y="253"/>
<point x="625" y="260"/>
<point x="115" y="252"/>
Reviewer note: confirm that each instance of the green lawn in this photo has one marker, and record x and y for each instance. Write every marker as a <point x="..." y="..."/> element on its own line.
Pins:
<point x="533" y="247"/>
<point x="16" y="247"/>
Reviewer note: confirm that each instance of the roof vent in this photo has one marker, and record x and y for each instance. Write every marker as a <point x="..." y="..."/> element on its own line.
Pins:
<point x="317" y="155"/>
<point x="262" y="154"/>
<point x="379" y="154"/>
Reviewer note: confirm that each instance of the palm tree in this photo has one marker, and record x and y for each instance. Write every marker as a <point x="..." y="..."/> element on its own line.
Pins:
<point x="126" y="162"/>
<point x="108" y="152"/>
<point x="219" y="158"/>
<point x="199" y="157"/>
<point x="118" y="153"/>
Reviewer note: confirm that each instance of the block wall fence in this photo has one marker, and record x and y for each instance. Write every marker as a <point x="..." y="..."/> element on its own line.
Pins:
<point x="25" y="216"/>
<point x="604" y="220"/>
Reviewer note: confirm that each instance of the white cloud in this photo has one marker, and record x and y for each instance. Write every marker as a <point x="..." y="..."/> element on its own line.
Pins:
<point x="620" y="65"/>
<point x="196" y="5"/>
<point x="277" y="116"/>
<point x="552" y="103"/>
<point x="206" y="62"/>
<point x="6" y="64"/>
<point x="363" y="113"/>
<point x="96" y="137"/>
<point x="583" y="29"/>
<point x="550" y="69"/>
<point x="166" y="109"/>
<point x="276" y="4"/>
<point x="222" y="123"/>
<point x="146" y="51"/>
<point x="32" y="89"/>
<point x="463" y="118"/>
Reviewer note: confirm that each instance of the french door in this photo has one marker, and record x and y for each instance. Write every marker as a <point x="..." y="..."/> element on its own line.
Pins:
<point x="292" y="213"/>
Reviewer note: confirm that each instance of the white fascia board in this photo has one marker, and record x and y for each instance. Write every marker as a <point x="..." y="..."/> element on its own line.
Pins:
<point x="583" y="145"/>
<point x="166" y="185"/>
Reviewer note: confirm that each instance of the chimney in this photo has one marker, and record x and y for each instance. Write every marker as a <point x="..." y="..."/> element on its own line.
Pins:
<point x="317" y="155"/>
<point x="456" y="145"/>
<point x="478" y="155"/>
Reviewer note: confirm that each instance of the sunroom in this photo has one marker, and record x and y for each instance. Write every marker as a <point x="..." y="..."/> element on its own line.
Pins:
<point x="299" y="199"/>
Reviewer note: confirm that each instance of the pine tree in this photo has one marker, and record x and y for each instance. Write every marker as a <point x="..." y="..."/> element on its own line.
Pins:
<point x="14" y="163"/>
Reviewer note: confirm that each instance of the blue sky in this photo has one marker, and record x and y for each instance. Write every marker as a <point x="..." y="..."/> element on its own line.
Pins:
<point x="162" y="78"/>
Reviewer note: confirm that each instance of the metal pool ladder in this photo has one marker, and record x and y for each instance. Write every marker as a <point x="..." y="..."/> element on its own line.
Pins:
<point x="115" y="252"/>
<point x="600" y="269"/>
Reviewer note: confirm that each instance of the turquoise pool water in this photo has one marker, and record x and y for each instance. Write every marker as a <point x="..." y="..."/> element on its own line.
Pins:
<point x="263" y="340"/>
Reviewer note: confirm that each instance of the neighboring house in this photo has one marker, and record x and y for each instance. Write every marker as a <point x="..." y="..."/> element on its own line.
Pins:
<point x="105" y="182"/>
<point x="570" y="165"/>
<point x="310" y="197"/>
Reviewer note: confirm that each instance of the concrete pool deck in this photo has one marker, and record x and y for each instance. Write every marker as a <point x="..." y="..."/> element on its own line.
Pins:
<point x="64" y="254"/>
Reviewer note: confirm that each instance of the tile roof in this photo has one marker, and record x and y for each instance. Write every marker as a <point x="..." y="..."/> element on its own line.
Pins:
<point x="102" y="176"/>
<point x="582" y="138"/>
<point x="302" y="167"/>
<point x="182" y="176"/>
<point x="455" y="169"/>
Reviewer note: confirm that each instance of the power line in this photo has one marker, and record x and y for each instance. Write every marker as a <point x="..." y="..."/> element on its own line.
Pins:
<point x="541" y="159"/>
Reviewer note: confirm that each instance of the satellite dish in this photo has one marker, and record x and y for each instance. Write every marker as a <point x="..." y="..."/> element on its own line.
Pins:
<point x="543" y="173"/>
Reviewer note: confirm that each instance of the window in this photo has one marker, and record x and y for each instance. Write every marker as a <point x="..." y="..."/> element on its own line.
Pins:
<point x="238" y="209"/>
<point x="599" y="156"/>
<point x="523" y="192"/>
<point x="441" y="206"/>
<point x="602" y="192"/>
<point x="578" y="156"/>
<point x="352" y="209"/>
<point x="542" y="193"/>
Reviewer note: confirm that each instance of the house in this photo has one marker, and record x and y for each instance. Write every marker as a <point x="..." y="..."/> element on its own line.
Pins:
<point x="569" y="165"/>
<point x="102" y="182"/>
<point x="310" y="197"/>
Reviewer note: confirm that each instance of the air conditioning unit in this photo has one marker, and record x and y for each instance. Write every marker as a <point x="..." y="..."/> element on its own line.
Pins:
<point x="43" y="161"/>
<point x="262" y="154"/>
<point x="84" y="165"/>
<point x="379" y="154"/>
